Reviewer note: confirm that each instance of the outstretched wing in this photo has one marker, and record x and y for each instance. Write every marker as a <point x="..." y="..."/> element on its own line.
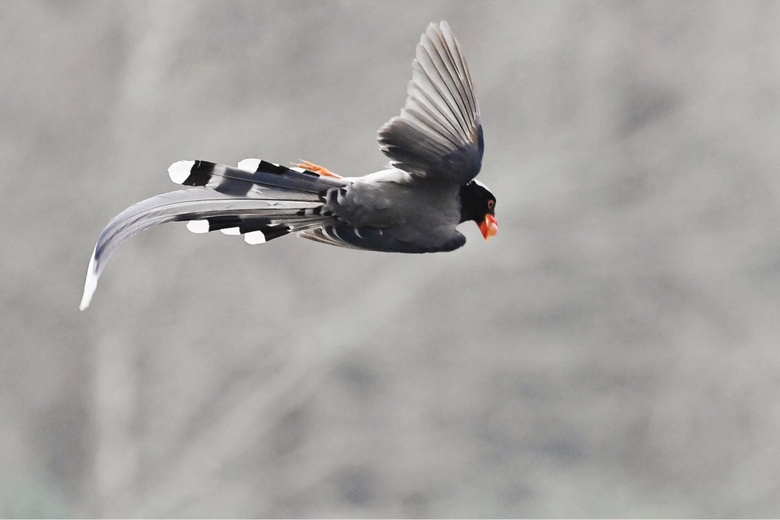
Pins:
<point x="438" y="134"/>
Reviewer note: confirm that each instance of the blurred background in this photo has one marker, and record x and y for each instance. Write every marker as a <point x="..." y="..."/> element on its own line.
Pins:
<point x="614" y="351"/>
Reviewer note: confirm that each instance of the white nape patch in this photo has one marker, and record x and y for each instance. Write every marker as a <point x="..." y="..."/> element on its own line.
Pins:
<point x="180" y="170"/>
<point x="198" y="226"/>
<point x="231" y="231"/>
<point x="297" y="169"/>
<point x="90" y="284"/>
<point x="249" y="165"/>
<point x="254" y="238"/>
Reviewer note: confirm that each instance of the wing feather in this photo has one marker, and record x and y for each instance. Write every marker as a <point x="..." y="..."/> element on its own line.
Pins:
<point x="438" y="134"/>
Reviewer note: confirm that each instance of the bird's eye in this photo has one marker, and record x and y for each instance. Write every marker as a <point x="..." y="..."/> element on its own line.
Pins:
<point x="491" y="203"/>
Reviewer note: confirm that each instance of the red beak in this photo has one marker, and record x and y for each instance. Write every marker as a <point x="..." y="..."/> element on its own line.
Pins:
<point x="489" y="226"/>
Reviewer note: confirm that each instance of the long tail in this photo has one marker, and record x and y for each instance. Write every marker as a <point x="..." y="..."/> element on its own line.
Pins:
<point x="259" y="200"/>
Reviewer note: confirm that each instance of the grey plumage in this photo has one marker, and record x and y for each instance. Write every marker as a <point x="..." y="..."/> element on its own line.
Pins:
<point x="435" y="146"/>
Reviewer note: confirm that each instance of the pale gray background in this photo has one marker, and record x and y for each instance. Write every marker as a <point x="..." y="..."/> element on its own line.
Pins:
<point x="615" y="350"/>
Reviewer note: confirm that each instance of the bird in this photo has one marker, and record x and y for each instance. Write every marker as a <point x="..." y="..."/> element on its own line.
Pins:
<point x="413" y="205"/>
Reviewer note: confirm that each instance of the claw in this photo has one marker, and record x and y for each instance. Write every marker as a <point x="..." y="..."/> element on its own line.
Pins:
<point x="317" y="169"/>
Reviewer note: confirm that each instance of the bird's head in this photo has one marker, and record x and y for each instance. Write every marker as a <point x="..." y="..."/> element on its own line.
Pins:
<point x="477" y="203"/>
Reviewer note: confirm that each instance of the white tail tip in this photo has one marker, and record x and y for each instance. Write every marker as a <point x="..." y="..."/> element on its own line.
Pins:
<point x="90" y="284"/>
<point x="180" y="170"/>
<point x="198" y="226"/>
<point x="249" y="165"/>
<point x="254" y="237"/>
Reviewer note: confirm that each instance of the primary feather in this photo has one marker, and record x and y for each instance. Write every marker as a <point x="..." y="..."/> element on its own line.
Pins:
<point x="438" y="134"/>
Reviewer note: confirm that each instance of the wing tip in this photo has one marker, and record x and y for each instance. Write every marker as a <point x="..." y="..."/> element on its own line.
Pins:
<point x="438" y="29"/>
<point x="180" y="170"/>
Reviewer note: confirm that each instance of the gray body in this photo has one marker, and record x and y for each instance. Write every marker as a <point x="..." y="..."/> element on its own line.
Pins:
<point x="435" y="148"/>
<point x="413" y="210"/>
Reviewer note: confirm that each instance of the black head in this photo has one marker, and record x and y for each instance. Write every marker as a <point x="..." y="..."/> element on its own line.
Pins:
<point x="477" y="203"/>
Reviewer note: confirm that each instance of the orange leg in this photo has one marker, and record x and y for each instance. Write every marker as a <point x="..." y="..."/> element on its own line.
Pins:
<point x="317" y="169"/>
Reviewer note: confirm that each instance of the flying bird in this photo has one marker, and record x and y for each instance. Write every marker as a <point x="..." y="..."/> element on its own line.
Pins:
<point x="435" y="148"/>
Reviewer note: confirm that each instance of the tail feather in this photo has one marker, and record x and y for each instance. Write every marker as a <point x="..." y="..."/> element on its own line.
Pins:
<point x="262" y="205"/>
<point x="249" y="183"/>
